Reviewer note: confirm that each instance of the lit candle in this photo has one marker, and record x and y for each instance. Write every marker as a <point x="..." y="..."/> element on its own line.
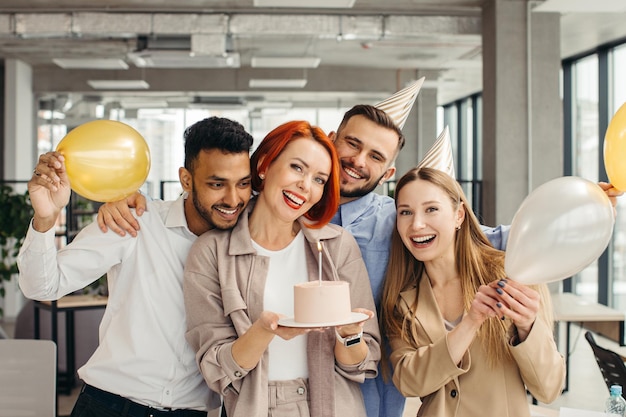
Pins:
<point x="319" y="250"/>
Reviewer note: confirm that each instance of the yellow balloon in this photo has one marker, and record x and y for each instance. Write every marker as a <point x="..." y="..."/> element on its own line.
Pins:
<point x="615" y="149"/>
<point x="105" y="160"/>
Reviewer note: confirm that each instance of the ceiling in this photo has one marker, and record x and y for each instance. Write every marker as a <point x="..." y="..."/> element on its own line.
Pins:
<point x="200" y="52"/>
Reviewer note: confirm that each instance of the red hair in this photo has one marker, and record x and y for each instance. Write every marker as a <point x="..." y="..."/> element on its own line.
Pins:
<point x="273" y="145"/>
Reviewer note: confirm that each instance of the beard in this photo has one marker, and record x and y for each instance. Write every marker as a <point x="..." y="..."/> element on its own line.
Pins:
<point x="216" y="223"/>
<point x="359" y="191"/>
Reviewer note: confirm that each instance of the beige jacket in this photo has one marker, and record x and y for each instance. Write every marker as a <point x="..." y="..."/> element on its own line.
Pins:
<point x="223" y="286"/>
<point x="473" y="388"/>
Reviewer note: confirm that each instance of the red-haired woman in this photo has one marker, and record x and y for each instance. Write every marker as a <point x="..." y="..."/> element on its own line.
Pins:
<point x="239" y="283"/>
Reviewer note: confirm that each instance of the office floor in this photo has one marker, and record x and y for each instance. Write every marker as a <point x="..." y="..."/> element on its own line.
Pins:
<point x="587" y="390"/>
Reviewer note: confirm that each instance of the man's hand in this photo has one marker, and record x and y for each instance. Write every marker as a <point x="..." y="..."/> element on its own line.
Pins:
<point x="612" y="193"/>
<point x="49" y="190"/>
<point x="117" y="216"/>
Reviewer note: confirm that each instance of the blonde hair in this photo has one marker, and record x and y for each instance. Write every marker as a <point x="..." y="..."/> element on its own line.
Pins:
<point x="477" y="263"/>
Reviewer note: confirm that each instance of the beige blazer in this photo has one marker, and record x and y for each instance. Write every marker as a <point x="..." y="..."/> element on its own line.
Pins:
<point x="472" y="388"/>
<point x="223" y="287"/>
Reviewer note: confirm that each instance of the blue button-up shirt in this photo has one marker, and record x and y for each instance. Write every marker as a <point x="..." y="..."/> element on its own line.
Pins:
<point x="371" y="220"/>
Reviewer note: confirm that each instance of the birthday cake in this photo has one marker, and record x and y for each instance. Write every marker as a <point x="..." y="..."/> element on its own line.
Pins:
<point x="321" y="302"/>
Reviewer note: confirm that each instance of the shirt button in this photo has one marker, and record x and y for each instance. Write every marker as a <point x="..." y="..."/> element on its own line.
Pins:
<point x="238" y="374"/>
<point x="300" y="391"/>
<point x="453" y="393"/>
<point x="167" y="392"/>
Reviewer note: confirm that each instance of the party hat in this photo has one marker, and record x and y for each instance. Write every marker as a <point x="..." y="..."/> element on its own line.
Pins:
<point x="439" y="156"/>
<point x="399" y="105"/>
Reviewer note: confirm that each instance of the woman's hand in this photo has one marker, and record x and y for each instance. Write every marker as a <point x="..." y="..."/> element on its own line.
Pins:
<point x="356" y="353"/>
<point x="250" y="346"/>
<point x="355" y="328"/>
<point x="484" y="305"/>
<point x="519" y="303"/>
<point x="269" y="322"/>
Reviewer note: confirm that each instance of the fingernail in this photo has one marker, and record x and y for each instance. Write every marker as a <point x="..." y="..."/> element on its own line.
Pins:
<point x="499" y="291"/>
<point x="499" y="305"/>
<point x="501" y="283"/>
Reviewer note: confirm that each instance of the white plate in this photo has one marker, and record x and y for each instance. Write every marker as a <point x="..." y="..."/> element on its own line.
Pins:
<point x="354" y="318"/>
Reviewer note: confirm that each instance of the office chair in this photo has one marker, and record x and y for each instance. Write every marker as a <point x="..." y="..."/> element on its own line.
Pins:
<point x="28" y="377"/>
<point x="610" y="363"/>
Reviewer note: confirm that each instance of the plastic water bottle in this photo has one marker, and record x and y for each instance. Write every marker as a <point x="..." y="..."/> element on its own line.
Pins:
<point x="615" y="404"/>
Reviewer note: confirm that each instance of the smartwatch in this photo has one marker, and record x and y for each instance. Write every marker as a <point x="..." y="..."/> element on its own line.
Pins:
<point x="351" y="340"/>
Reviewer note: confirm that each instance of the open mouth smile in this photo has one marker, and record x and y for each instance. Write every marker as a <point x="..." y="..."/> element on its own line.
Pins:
<point x="293" y="200"/>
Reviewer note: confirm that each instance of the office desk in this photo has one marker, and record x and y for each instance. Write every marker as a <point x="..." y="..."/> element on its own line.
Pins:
<point x="68" y="304"/>
<point x="571" y="308"/>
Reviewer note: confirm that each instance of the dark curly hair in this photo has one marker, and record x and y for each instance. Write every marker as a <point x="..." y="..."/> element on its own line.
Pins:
<point x="215" y="133"/>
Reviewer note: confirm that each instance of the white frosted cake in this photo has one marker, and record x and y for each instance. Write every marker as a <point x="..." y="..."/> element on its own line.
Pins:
<point x="321" y="302"/>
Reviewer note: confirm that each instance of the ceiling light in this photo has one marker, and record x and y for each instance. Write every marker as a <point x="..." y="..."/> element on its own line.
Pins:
<point x="285" y="62"/>
<point x="321" y="4"/>
<point x="92" y="63"/>
<point x="182" y="59"/>
<point x="143" y="104"/>
<point x="582" y="6"/>
<point x="118" y="84"/>
<point x="277" y="83"/>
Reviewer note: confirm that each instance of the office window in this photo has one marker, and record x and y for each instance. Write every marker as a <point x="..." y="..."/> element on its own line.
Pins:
<point x="163" y="129"/>
<point x="617" y="90"/>
<point x="585" y="149"/>
<point x="463" y="118"/>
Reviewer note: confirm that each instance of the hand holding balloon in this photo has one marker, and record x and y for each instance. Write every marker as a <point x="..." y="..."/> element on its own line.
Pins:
<point x="612" y="193"/>
<point x="48" y="190"/>
<point x="560" y="228"/>
<point x="105" y="160"/>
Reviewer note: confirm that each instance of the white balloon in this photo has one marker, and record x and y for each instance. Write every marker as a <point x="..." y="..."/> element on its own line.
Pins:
<point x="560" y="228"/>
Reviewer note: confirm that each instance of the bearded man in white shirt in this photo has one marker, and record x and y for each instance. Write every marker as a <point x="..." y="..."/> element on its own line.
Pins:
<point x="143" y="365"/>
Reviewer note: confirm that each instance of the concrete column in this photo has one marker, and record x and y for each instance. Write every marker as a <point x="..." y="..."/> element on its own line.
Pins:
<point x="20" y="149"/>
<point x="20" y="140"/>
<point x="522" y="113"/>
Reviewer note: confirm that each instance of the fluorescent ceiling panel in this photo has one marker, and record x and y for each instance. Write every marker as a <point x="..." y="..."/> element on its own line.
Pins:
<point x="182" y="59"/>
<point x="298" y="4"/>
<point x="285" y="62"/>
<point x="144" y="104"/>
<point x="277" y="83"/>
<point x="582" y="6"/>
<point x="94" y="63"/>
<point x="118" y="84"/>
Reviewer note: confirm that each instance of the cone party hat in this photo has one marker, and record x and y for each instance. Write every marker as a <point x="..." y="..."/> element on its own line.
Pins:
<point x="439" y="156"/>
<point x="399" y="105"/>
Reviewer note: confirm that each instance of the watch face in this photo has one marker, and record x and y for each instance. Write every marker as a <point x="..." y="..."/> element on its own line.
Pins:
<point x="354" y="340"/>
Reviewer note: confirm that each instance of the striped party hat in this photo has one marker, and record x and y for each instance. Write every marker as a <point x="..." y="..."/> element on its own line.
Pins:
<point x="399" y="105"/>
<point x="439" y="156"/>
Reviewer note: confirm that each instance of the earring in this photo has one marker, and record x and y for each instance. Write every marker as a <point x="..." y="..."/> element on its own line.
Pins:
<point x="262" y="176"/>
<point x="458" y="227"/>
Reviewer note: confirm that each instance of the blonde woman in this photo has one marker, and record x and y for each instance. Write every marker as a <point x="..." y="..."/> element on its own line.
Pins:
<point x="464" y="338"/>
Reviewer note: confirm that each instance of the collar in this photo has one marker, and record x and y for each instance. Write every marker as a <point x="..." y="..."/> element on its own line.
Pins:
<point x="175" y="216"/>
<point x="427" y="311"/>
<point x="352" y="210"/>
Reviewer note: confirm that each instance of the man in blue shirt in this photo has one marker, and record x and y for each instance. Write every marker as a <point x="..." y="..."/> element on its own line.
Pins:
<point x="368" y="141"/>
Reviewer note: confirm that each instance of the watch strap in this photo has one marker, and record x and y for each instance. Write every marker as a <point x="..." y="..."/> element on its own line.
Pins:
<point x="351" y="340"/>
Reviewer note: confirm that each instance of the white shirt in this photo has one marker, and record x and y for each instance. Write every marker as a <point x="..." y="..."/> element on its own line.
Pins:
<point x="287" y="267"/>
<point x="143" y="354"/>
